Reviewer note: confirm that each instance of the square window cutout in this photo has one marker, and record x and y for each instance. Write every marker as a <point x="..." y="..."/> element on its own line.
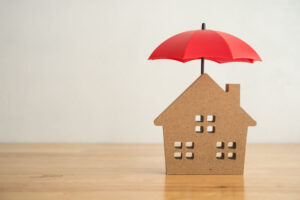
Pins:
<point x="199" y="129"/>
<point x="189" y="155"/>
<point x="189" y="144"/>
<point x="211" y="118"/>
<point x="231" y="145"/>
<point x="220" y="145"/>
<point x="177" y="155"/>
<point x="199" y="118"/>
<point x="220" y="155"/>
<point x="210" y="129"/>
<point x="177" y="144"/>
<point x="231" y="155"/>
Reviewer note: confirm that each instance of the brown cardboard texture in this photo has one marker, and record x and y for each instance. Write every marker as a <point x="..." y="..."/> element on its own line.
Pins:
<point x="205" y="130"/>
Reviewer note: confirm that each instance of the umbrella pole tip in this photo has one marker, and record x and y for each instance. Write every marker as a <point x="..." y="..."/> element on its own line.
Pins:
<point x="203" y="26"/>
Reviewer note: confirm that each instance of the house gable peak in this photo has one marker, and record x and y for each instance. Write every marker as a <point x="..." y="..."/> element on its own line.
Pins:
<point x="205" y="86"/>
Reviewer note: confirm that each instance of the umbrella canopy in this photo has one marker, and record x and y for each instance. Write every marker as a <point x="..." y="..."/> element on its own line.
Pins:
<point x="205" y="44"/>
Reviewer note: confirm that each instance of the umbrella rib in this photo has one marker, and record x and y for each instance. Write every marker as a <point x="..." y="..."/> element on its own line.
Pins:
<point x="225" y="43"/>
<point x="188" y="43"/>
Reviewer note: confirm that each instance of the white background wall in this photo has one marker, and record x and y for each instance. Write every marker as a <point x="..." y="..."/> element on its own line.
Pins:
<point x="77" y="71"/>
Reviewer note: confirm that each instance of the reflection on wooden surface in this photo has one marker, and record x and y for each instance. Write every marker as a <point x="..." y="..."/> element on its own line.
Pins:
<point x="204" y="186"/>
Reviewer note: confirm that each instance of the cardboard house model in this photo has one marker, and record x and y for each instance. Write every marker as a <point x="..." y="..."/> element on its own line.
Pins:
<point x="205" y="130"/>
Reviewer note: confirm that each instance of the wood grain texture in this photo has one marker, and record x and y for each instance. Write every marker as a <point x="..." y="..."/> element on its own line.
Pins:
<point x="136" y="171"/>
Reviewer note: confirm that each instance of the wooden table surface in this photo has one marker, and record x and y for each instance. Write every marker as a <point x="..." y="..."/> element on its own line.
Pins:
<point x="136" y="171"/>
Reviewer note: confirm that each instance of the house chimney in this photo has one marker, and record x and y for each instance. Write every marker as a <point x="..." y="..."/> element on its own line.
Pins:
<point x="233" y="90"/>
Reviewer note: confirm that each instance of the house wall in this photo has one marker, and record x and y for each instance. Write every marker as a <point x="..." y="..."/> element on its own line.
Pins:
<point x="204" y="150"/>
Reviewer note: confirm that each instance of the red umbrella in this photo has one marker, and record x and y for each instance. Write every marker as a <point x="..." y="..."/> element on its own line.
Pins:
<point x="205" y="44"/>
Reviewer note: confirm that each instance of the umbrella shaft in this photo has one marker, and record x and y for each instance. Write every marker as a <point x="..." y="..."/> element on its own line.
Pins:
<point x="202" y="65"/>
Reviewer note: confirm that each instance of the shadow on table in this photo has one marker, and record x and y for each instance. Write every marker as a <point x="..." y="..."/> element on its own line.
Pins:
<point x="204" y="186"/>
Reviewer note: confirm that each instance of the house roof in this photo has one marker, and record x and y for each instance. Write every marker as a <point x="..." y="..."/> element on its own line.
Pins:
<point x="205" y="86"/>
